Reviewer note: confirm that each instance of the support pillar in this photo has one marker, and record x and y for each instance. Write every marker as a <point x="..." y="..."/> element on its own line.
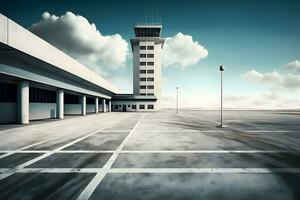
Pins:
<point x="96" y="105"/>
<point x="60" y="104"/>
<point x="83" y="105"/>
<point x="109" y="105"/>
<point x="104" y="105"/>
<point x="23" y="102"/>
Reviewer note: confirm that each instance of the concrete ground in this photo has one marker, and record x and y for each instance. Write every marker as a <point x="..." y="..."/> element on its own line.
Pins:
<point x="160" y="155"/>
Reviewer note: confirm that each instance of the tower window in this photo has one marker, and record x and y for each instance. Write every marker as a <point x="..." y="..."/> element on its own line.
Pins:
<point x="143" y="71"/>
<point x="142" y="63"/>
<point x="150" y="94"/>
<point x="142" y="55"/>
<point x="150" y="63"/>
<point x="150" y="71"/>
<point x="150" y="79"/>
<point x="142" y="94"/>
<point x="142" y="47"/>
<point x="142" y="79"/>
<point x="142" y="106"/>
<point x="142" y="86"/>
<point x="150" y="47"/>
<point x="151" y="107"/>
<point x="150" y="55"/>
<point x="150" y="86"/>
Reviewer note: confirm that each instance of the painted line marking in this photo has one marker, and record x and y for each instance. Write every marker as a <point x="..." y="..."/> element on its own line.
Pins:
<point x="208" y="151"/>
<point x="25" y="151"/>
<point x="30" y="162"/>
<point x="90" y="188"/>
<point x="159" y="170"/>
<point x="31" y="145"/>
<point x="205" y="170"/>
<point x="183" y="131"/>
<point x="159" y="151"/>
<point x="116" y="131"/>
<point x="59" y="170"/>
<point x="62" y="151"/>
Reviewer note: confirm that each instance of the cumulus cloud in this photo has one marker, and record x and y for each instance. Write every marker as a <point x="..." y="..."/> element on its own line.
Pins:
<point x="182" y="51"/>
<point x="264" y="77"/>
<point x="294" y="66"/>
<point x="270" y="100"/>
<point x="274" y="79"/>
<point x="81" y="39"/>
<point x="283" y="91"/>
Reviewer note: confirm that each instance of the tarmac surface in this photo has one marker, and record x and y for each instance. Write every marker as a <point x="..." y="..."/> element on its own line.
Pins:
<point x="161" y="155"/>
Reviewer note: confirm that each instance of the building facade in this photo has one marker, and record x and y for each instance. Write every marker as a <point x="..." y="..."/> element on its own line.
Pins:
<point x="38" y="81"/>
<point x="146" y="48"/>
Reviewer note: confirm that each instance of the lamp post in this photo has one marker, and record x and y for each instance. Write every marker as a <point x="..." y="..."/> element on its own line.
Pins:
<point x="176" y="99"/>
<point x="221" y="70"/>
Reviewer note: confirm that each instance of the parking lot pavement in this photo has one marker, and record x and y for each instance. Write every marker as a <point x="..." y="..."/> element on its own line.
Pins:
<point x="160" y="155"/>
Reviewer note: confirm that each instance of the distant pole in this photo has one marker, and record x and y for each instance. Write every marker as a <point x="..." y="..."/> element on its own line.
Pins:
<point x="176" y="99"/>
<point x="221" y="70"/>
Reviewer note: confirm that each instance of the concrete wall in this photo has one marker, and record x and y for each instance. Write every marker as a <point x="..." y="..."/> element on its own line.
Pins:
<point x="8" y="113"/>
<point x="42" y="110"/>
<point x="72" y="109"/>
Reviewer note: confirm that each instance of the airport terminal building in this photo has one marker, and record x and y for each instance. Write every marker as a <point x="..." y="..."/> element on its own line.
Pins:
<point x="38" y="81"/>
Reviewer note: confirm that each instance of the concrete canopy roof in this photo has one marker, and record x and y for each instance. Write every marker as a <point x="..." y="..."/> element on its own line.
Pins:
<point x="31" y="48"/>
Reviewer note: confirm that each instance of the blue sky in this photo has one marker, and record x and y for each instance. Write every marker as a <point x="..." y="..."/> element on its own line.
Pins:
<point x="250" y="38"/>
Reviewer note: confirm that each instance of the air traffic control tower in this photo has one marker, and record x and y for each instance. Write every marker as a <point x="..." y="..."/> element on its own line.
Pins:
<point x="147" y="48"/>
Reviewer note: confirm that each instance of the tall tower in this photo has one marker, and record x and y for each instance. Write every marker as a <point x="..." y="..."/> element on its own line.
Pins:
<point x="146" y="47"/>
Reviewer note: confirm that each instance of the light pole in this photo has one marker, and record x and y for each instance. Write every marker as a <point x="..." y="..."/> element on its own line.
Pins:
<point x="176" y="99"/>
<point x="221" y="70"/>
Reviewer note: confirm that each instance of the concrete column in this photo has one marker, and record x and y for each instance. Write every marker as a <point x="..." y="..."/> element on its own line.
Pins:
<point x="109" y="105"/>
<point x="96" y="105"/>
<point x="60" y="104"/>
<point x="83" y="105"/>
<point x="103" y="105"/>
<point x="23" y="102"/>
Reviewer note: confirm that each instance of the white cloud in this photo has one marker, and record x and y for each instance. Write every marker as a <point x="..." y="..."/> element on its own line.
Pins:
<point x="282" y="94"/>
<point x="181" y="51"/>
<point x="294" y="66"/>
<point x="270" y="100"/>
<point x="81" y="39"/>
<point x="264" y="77"/>
<point x="274" y="79"/>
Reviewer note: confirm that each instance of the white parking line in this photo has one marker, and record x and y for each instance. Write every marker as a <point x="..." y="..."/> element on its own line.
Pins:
<point x="158" y="170"/>
<point x="18" y="150"/>
<point x="30" y="162"/>
<point x="24" y="151"/>
<point x="62" y="151"/>
<point x="206" y="151"/>
<point x="59" y="170"/>
<point x="205" y="170"/>
<point x="89" y="189"/>
<point x="183" y="131"/>
<point x="85" y="151"/>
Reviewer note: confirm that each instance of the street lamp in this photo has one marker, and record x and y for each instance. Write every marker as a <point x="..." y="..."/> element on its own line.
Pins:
<point x="177" y="99"/>
<point x="221" y="70"/>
